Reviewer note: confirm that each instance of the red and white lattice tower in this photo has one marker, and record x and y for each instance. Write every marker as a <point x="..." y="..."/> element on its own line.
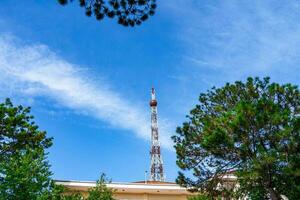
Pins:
<point x="156" y="167"/>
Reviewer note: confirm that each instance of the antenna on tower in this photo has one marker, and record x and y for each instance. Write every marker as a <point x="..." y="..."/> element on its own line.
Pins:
<point x="156" y="167"/>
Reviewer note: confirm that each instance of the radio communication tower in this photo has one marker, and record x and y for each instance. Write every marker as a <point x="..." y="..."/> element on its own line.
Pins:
<point x="156" y="168"/>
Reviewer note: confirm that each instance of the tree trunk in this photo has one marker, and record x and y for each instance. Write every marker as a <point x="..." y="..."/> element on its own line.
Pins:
<point x="274" y="195"/>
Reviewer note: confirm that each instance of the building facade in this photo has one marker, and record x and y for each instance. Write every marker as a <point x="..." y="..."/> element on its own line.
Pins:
<point x="150" y="190"/>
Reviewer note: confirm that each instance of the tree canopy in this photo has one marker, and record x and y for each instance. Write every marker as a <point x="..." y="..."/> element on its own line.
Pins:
<point x="250" y="129"/>
<point x="101" y="191"/>
<point x="128" y="12"/>
<point x="24" y="170"/>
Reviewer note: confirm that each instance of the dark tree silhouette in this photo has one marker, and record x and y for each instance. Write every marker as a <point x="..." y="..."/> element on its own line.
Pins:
<point x="128" y="12"/>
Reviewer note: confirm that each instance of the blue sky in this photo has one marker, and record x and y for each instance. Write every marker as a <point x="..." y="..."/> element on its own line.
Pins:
<point x="89" y="82"/>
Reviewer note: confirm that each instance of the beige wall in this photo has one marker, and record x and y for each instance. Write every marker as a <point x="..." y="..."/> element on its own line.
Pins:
<point x="149" y="197"/>
<point x="125" y="196"/>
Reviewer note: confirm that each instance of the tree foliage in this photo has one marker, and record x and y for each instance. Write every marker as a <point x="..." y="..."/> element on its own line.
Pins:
<point x="128" y="12"/>
<point x="201" y="197"/>
<point x="24" y="170"/>
<point x="59" y="192"/>
<point x="251" y="129"/>
<point x="101" y="191"/>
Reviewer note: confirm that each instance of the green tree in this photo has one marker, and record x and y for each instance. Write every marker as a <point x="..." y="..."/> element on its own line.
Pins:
<point x="76" y="196"/>
<point x="101" y="191"/>
<point x="18" y="131"/>
<point x="24" y="170"/>
<point x="251" y="129"/>
<point x="59" y="192"/>
<point x="201" y="197"/>
<point x="25" y="175"/>
<point x="128" y="12"/>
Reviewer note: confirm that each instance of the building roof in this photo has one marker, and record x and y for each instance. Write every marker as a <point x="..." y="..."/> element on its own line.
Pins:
<point x="136" y="187"/>
<point x="155" y="182"/>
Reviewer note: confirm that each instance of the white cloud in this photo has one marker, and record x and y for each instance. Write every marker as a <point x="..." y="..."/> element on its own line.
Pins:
<point x="230" y="40"/>
<point x="35" y="70"/>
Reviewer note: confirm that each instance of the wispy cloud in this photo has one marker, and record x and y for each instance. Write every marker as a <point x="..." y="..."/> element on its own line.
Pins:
<point x="229" y="40"/>
<point x="35" y="70"/>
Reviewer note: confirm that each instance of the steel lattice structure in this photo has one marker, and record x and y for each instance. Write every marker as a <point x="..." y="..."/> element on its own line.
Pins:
<point x="156" y="167"/>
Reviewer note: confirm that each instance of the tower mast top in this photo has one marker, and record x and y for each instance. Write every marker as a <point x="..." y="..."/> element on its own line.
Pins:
<point x="153" y="101"/>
